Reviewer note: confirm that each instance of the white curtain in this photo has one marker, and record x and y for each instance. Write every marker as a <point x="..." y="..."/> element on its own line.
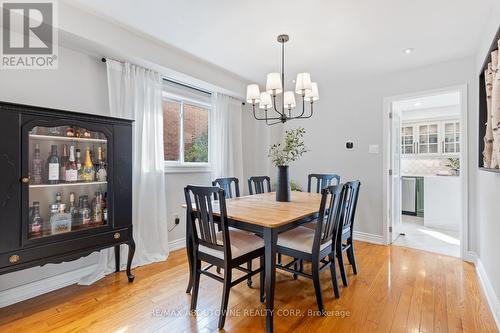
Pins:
<point x="135" y="93"/>
<point x="225" y="134"/>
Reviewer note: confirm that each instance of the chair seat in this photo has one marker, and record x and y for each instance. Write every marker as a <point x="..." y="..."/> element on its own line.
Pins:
<point x="300" y="239"/>
<point x="242" y="242"/>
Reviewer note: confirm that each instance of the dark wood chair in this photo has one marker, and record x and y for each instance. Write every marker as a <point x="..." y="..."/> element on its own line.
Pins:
<point x="257" y="184"/>
<point x="345" y="236"/>
<point x="316" y="246"/>
<point x="223" y="248"/>
<point x="322" y="180"/>
<point x="226" y="184"/>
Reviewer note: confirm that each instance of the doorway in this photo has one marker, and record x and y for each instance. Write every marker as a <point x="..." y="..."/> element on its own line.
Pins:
<point x="426" y="171"/>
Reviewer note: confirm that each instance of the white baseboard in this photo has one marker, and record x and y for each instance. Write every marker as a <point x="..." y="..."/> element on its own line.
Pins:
<point x="177" y="244"/>
<point x="489" y="292"/>
<point x="369" y="238"/>
<point x="36" y="288"/>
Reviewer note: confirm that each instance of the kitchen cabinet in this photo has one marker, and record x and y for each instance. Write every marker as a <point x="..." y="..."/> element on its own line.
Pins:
<point x="431" y="139"/>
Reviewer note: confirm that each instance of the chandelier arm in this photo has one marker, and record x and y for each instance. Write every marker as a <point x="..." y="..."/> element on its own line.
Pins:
<point x="305" y="117"/>
<point x="274" y="106"/>
<point x="266" y="119"/>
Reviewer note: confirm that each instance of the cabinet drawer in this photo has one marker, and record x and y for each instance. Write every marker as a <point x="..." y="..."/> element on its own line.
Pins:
<point x="63" y="251"/>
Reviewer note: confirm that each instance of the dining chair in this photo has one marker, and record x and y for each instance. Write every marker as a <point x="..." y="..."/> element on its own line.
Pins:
<point x="226" y="184"/>
<point x="316" y="246"/>
<point x="322" y="180"/>
<point x="225" y="248"/>
<point x="345" y="236"/>
<point x="257" y="184"/>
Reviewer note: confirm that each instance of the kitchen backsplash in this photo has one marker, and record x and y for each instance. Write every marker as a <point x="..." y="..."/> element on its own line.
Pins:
<point x="424" y="167"/>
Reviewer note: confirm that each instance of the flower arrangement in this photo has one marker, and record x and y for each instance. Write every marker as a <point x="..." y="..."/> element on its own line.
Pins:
<point x="291" y="149"/>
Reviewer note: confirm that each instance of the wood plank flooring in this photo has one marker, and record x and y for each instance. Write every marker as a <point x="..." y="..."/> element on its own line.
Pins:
<point x="397" y="290"/>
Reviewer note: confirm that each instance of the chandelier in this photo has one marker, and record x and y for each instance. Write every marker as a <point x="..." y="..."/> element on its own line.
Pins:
<point x="275" y="85"/>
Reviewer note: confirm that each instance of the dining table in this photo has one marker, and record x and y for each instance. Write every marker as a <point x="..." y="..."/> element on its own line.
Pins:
<point x="263" y="215"/>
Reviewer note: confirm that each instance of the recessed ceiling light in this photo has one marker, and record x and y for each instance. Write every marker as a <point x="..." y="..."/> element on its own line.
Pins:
<point x="408" y="50"/>
<point x="417" y="104"/>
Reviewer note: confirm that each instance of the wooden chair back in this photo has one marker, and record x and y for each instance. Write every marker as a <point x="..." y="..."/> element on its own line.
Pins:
<point x="349" y="203"/>
<point x="329" y="216"/>
<point x="322" y="180"/>
<point x="226" y="184"/>
<point x="257" y="184"/>
<point x="200" y="215"/>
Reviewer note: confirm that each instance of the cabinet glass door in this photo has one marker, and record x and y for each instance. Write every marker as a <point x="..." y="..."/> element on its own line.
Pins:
<point x="68" y="180"/>
<point x="451" y="137"/>
<point x="407" y="143"/>
<point x="428" y="139"/>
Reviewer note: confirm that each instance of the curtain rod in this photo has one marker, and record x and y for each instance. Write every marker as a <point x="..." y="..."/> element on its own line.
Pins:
<point x="103" y="59"/>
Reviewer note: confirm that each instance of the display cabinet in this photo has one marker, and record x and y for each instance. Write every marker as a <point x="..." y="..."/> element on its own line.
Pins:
<point x="66" y="186"/>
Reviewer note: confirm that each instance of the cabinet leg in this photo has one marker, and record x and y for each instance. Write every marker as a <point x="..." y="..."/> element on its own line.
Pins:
<point x="117" y="258"/>
<point x="131" y="251"/>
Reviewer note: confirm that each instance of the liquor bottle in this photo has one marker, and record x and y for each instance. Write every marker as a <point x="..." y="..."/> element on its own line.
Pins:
<point x="58" y="201"/>
<point x="101" y="174"/>
<point x="88" y="168"/>
<point x="105" y="207"/>
<point x="78" y="162"/>
<point x="62" y="162"/>
<point x="71" y="170"/>
<point x="73" y="210"/>
<point x="60" y="221"/>
<point x="36" y="223"/>
<point x="36" y="166"/>
<point x="85" y="213"/>
<point x="53" y="166"/>
<point x="97" y="209"/>
<point x="53" y="209"/>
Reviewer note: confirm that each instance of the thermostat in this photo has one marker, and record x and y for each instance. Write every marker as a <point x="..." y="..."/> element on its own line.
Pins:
<point x="349" y="145"/>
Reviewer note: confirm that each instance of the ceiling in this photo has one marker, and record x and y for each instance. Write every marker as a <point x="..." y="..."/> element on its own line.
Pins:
<point x="331" y="38"/>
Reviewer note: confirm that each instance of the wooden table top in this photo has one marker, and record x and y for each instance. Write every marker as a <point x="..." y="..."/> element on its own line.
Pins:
<point x="264" y="210"/>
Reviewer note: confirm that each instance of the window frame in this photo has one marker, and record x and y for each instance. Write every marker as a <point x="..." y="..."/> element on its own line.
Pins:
<point x="181" y="166"/>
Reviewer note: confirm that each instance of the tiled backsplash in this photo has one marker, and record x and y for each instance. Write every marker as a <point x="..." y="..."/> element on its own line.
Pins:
<point x="424" y="167"/>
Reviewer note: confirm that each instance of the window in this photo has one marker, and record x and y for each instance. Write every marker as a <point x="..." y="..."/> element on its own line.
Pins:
<point x="451" y="137"/>
<point x="185" y="126"/>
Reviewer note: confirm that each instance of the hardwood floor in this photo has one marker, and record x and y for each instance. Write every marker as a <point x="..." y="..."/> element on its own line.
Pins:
<point x="397" y="290"/>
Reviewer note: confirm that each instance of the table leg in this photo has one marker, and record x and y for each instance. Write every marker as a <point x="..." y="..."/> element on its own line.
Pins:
<point x="189" y="249"/>
<point x="270" y="239"/>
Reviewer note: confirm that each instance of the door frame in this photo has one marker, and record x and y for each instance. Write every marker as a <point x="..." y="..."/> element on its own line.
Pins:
<point x="387" y="221"/>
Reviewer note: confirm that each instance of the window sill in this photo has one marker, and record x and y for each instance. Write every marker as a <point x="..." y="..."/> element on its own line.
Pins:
<point x="186" y="168"/>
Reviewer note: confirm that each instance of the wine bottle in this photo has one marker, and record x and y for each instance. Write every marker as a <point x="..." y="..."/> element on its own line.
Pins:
<point x="97" y="209"/>
<point x="88" y="168"/>
<point x="62" y="162"/>
<point x="102" y="174"/>
<point x="78" y="161"/>
<point x="53" y="166"/>
<point x="36" y="166"/>
<point x="71" y="171"/>
<point x="36" y="224"/>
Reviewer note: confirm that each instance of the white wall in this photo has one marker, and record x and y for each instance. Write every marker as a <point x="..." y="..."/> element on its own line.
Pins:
<point x="80" y="84"/>
<point x="488" y="187"/>
<point x="351" y="108"/>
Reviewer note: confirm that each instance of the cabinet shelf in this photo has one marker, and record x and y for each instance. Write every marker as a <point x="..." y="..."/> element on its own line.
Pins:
<point x="67" y="184"/>
<point x="65" y="138"/>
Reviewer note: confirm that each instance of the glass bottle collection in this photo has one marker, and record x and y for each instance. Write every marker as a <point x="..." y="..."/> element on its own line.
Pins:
<point x="66" y="164"/>
<point x="67" y="217"/>
<point x="68" y="168"/>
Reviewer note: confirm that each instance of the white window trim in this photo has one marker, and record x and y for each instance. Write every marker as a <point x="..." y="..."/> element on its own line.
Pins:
<point x="181" y="166"/>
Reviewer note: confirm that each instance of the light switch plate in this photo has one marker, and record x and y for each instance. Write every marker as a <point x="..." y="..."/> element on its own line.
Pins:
<point x="373" y="149"/>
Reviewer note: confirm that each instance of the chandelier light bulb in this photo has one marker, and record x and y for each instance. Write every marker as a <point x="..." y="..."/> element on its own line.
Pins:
<point x="265" y="100"/>
<point x="273" y="83"/>
<point x="313" y="94"/>
<point x="289" y="99"/>
<point x="253" y="93"/>
<point x="303" y="83"/>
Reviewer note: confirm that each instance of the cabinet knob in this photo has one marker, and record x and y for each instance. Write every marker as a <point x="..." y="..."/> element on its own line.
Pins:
<point x="14" y="258"/>
<point x="25" y="180"/>
<point x="117" y="235"/>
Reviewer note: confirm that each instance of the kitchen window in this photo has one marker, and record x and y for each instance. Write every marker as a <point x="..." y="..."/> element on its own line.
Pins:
<point x="186" y="127"/>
